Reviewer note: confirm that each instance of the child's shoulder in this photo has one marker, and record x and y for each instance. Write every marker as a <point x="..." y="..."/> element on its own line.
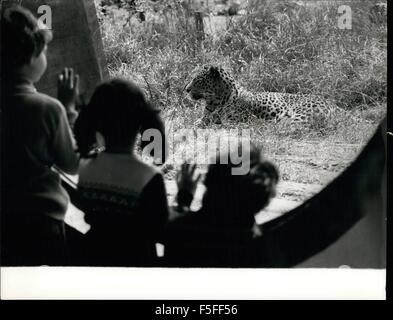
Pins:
<point x="127" y="171"/>
<point x="148" y="169"/>
<point x="49" y="103"/>
<point x="145" y="173"/>
<point x="39" y="103"/>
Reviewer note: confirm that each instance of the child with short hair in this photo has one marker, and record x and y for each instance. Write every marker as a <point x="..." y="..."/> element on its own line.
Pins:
<point x="35" y="137"/>
<point x="124" y="199"/>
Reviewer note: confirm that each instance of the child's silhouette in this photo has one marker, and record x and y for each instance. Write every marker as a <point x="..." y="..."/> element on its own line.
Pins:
<point x="124" y="199"/>
<point x="36" y="136"/>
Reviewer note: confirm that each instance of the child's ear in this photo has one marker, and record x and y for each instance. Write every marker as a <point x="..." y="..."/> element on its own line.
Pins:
<point x="214" y="71"/>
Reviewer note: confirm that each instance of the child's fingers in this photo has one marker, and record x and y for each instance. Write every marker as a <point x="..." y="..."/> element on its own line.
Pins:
<point x="63" y="76"/>
<point x="76" y="82"/>
<point x="198" y="178"/>
<point x="184" y="168"/>
<point x="60" y="79"/>
<point x="71" y="78"/>
<point x="192" y="169"/>
<point x="182" y="172"/>
<point x="67" y="76"/>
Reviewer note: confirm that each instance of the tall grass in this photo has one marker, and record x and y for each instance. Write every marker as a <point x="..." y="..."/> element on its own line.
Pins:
<point x="276" y="46"/>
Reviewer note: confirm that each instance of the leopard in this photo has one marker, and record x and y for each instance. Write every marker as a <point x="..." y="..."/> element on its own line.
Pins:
<point x="226" y="100"/>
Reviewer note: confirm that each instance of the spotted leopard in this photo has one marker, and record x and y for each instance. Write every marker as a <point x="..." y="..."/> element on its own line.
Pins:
<point x="227" y="100"/>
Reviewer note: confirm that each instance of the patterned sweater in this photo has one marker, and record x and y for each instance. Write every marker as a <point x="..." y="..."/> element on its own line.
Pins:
<point x="125" y="203"/>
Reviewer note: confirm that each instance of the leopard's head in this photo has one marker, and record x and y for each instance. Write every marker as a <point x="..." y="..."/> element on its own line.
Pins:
<point x="211" y="83"/>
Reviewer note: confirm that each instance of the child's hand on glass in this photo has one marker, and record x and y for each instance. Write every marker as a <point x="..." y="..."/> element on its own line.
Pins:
<point x="187" y="182"/>
<point x="68" y="87"/>
<point x="68" y="92"/>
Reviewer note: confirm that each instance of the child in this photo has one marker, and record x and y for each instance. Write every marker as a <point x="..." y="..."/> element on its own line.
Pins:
<point x="223" y="233"/>
<point x="35" y="137"/>
<point x="123" y="198"/>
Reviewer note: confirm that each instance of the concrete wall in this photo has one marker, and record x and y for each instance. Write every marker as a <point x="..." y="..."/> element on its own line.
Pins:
<point x="77" y="43"/>
<point x="364" y="245"/>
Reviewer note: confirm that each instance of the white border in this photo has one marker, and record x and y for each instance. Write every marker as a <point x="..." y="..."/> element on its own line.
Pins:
<point x="187" y="284"/>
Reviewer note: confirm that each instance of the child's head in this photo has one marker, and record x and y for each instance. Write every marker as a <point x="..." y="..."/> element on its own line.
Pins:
<point x="23" y="44"/>
<point x="117" y="110"/>
<point x="235" y="199"/>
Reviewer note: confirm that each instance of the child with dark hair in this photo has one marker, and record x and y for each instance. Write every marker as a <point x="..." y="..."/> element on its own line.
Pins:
<point x="223" y="233"/>
<point x="35" y="137"/>
<point x="124" y="199"/>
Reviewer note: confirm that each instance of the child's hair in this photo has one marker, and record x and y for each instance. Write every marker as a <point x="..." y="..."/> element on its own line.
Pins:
<point x="21" y="38"/>
<point x="118" y="110"/>
<point x="235" y="199"/>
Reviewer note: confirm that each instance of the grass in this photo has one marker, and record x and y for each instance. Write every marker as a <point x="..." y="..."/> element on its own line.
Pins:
<point x="276" y="46"/>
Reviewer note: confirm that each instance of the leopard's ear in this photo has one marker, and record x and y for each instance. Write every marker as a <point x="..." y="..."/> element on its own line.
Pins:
<point x="214" y="71"/>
